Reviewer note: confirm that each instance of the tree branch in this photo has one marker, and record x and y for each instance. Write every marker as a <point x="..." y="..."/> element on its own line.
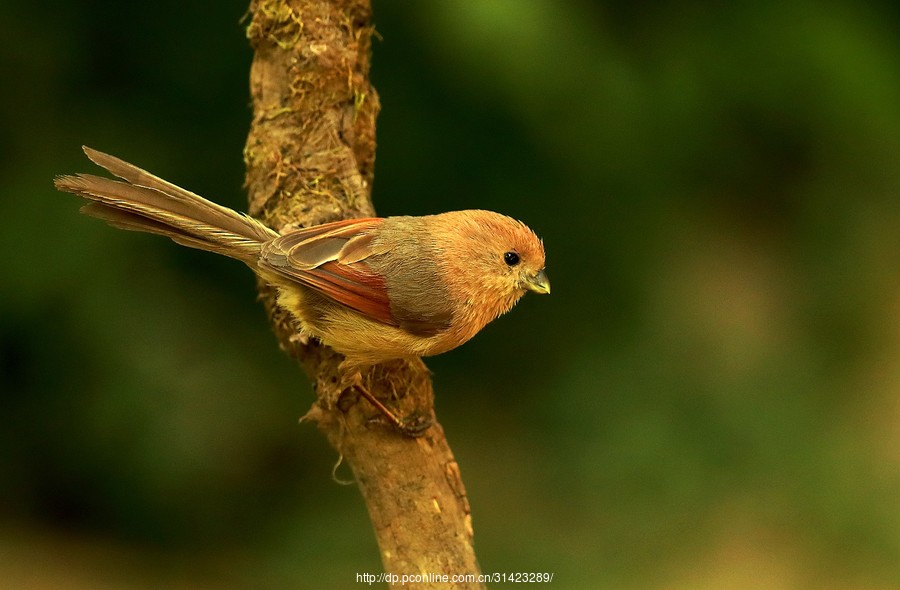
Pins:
<point x="310" y="157"/>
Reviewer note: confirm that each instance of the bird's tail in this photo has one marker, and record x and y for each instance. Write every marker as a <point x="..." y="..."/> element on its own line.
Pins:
<point x="147" y="203"/>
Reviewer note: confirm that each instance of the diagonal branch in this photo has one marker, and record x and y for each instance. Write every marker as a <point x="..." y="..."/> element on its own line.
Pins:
<point x="310" y="157"/>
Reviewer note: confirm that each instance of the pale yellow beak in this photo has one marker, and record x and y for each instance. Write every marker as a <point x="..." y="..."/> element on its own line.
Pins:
<point x="539" y="283"/>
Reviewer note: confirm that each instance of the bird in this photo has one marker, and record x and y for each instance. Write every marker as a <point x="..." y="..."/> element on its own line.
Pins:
<point x="373" y="289"/>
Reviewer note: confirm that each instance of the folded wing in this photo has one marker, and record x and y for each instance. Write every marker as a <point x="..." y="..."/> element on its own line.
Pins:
<point x="331" y="259"/>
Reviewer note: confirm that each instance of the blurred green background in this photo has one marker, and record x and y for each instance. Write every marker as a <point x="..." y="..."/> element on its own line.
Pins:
<point x="710" y="398"/>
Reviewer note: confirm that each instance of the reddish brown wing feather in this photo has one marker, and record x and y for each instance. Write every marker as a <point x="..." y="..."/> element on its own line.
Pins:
<point x="310" y="256"/>
<point x="355" y="286"/>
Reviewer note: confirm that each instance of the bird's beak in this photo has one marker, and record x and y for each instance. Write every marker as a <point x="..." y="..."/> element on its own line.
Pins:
<point x="539" y="283"/>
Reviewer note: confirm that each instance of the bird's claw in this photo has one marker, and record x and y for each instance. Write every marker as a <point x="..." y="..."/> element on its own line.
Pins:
<point x="412" y="426"/>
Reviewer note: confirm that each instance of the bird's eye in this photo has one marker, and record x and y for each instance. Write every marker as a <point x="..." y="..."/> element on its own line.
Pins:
<point x="511" y="258"/>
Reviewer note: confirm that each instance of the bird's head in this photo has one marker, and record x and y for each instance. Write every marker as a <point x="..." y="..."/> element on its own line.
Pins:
<point x="496" y="259"/>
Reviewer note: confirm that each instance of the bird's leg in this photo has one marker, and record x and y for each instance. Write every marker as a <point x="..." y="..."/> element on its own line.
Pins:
<point x="412" y="426"/>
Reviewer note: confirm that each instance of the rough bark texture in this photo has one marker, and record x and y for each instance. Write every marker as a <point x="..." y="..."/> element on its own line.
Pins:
<point x="310" y="155"/>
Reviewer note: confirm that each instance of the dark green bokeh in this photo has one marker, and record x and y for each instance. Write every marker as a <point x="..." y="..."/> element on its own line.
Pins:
<point x="708" y="399"/>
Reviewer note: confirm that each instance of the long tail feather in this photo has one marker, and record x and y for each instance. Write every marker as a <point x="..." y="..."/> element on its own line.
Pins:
<point x="148" y="203"/>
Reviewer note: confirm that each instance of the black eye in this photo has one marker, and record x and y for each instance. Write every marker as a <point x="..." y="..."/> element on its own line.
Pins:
<point x="511" y="258"/>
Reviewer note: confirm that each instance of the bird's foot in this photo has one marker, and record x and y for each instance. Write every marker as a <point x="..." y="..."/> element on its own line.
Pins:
<point x="412" y="426"/>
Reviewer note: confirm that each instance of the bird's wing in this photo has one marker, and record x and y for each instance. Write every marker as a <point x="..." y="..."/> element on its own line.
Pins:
<point x="330" y="259"/>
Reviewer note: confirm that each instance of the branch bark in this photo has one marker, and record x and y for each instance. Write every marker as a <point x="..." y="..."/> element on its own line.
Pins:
<point x="310" y="157"/>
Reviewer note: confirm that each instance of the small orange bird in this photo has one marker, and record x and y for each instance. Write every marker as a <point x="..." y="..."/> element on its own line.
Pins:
<point x="373" y="289"/>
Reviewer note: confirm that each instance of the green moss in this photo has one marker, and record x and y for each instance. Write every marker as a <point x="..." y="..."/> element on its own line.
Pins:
<point x="275" y="21"/>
